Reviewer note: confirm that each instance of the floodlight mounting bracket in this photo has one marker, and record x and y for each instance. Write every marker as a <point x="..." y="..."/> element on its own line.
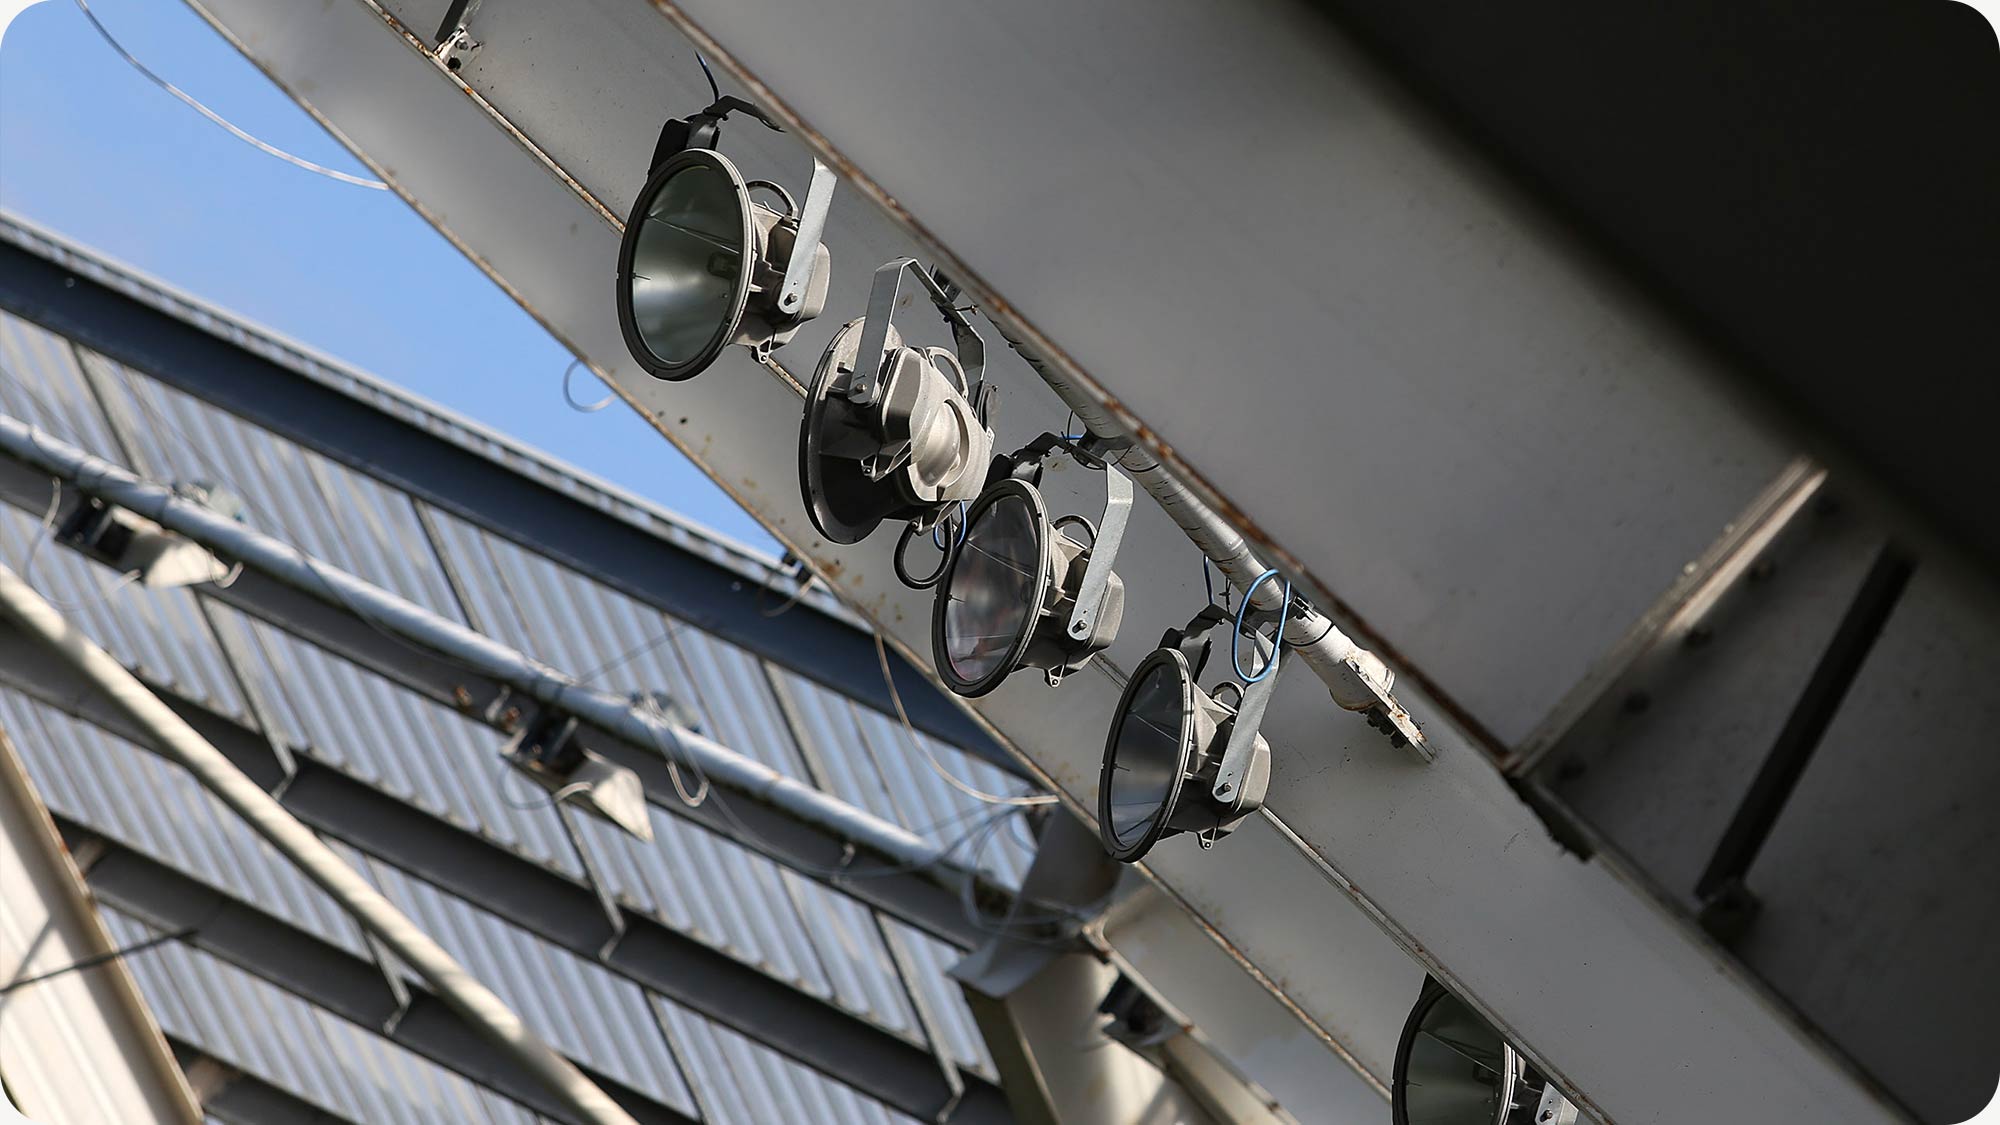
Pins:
<point x="547" y="751"/>
<point x="1025" y="464"/>
<point x="1103" y="552"/>
<point x="1196" y="639"/>
<point x="704" y="129"/>
<point x="883" y="293"/>
<point x="810" y="226"/>
<point x="127" y="541"/>
<point x="1241" y="751"/>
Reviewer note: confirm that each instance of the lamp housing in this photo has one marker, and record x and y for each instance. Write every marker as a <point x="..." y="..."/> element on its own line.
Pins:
<point x="703" y="266"/>
<point x="1024" y="591"/>
<point x="894" y="432"/>
<point x="1177" y="759"/>
<point x="1454" y="1068"/>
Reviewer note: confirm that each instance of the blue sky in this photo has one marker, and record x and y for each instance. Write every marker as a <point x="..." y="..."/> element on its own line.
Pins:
<point x="90" y="149"/>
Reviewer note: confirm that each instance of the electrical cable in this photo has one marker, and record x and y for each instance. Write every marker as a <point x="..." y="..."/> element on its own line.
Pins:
<point x="1236" y="634"/>
<point x="650" y="706"/>
<point x="939" y="543"/>
<point x="910" y="731"/>
<point x="1324" y="634"/>
<point x="103" y="958"/>
<point x="569" y="393"/>
<point x="899" y="557"/>
<point x="802" y="581"/>
<point x="176" y="91"/>
<point x="1076" y="518"/>
<point x="715" y="91"/>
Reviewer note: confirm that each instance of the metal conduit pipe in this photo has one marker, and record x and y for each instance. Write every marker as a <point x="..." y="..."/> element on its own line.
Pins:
<point x="727" y="769"/>
<point x="1357" y="679"/>
<point x="376" y="914"/>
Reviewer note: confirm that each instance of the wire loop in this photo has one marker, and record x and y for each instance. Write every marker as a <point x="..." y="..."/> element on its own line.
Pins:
<point x="1236" y="635"/>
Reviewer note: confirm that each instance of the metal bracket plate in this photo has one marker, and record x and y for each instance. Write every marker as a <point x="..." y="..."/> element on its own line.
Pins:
<point x="1103" y="553"/>
<point x="805" y="247"/>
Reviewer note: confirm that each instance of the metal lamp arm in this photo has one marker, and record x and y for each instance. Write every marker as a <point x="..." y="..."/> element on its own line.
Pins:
<point x="1103" y="552"/>
<point x="882" y="296"/>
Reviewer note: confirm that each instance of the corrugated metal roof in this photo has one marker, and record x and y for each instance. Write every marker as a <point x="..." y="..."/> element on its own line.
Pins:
<point x="689" y="878"/>
<point x="323" y="1059"/>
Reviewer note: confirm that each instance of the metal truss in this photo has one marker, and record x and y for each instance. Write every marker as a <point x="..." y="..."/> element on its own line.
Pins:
<point x="328" y="977"/>
<point x="565" y="912"/>
<point x="448" y="664"/>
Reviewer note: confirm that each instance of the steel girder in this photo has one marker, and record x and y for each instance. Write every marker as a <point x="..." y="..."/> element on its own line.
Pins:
<point x="327" y="976"/>
<point x="1388" y="495"/>
<point x="875" y="1061"/>
<point x="927" y="895"/>
<point x="234" y="1096"/>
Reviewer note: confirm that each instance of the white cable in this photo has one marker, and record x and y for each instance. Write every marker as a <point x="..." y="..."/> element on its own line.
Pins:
<point x="910" y="733"/>
<point x="176" y="91"/>
<point x="569" y="394"/>
<point x="650" y="707"/>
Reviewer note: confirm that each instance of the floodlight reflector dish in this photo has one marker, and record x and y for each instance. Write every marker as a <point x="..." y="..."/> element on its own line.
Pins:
<point x="1176" y="758"/>
<point x="1009" y="591"/>
<point x="703" y="266"/>
<point x="684" y="268"/>
<point x="998" y="580"/>
<point x="1146" y="756"/>
<point x="1454" y="1068"/>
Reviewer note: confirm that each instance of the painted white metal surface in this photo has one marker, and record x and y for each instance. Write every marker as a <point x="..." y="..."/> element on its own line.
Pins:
<point x="79" y="1048"/>
<point x="1155" y="940"/>
<point x="1502" y="597"/>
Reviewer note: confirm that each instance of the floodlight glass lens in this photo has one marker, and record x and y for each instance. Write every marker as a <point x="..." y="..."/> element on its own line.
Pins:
<point x="1456" y="1073"/>
<point x="1147" y="755"/>
<point x="686" y="263"/>
<point x="990" y="601"/>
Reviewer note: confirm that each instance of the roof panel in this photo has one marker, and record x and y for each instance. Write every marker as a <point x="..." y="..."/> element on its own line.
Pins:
<point x="248" y="1023"/>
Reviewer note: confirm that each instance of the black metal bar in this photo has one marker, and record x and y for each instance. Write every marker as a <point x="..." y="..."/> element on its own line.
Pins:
<point x="1765" y="800"/>
<point x="453" y="16"/>
<point x="234" y="1096"/>
<point x="329" y="977"/>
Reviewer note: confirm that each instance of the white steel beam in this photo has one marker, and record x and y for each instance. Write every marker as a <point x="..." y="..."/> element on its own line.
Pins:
<point x="1398" y="382"/>
<point x="78" y="1043"/>
<point x="850" y="1048"/>
<point x="480" y="1009"/>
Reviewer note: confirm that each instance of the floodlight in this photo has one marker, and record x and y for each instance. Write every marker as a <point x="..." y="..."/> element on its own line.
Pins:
<point x="893" y="432"/>
<point x="546" y="751"/>
<point x="703" y="266"/>
<point x="1024" y="591"/>
<point x="1453" y="1068"/>
<point x="1177" y="759"/>
<point x="129" y="542"/>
